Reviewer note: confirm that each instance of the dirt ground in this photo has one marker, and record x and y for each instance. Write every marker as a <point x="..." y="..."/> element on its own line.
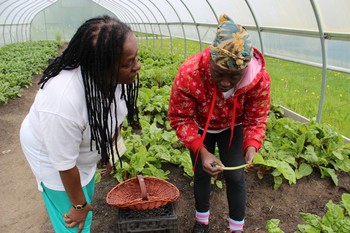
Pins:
<point x="22" y="209"/>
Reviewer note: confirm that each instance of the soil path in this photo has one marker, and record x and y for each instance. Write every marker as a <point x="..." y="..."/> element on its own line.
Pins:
<point x="22" y="208"/>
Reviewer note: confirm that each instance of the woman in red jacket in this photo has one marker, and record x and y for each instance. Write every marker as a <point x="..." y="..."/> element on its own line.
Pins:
<point x="221" y="97"/>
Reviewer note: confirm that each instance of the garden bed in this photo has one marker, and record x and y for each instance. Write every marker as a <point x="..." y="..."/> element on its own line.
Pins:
<point x="310" y="195"/>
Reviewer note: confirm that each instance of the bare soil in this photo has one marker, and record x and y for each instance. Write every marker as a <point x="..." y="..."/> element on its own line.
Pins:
<point x="22" y="208"/>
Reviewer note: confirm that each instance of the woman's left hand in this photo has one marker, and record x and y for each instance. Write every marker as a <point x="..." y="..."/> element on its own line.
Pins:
<point x="250" y="153"/>
<point x="77" y="217"/>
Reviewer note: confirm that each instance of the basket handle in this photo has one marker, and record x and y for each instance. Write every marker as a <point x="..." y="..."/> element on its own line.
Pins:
<point x="143" y="187"/>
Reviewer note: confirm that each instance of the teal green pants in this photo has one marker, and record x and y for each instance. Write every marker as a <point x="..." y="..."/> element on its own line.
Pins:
<point x="57" y="203"/>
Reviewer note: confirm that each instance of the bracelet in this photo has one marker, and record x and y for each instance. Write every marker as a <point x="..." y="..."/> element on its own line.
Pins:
<point x="79" y="207"/>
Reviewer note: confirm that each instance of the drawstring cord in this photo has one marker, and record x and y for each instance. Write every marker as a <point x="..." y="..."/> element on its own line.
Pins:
<point x="206" y="125"/>
<point x="235" y="103"/>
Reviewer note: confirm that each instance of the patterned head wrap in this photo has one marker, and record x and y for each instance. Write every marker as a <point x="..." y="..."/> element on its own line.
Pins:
<point x="232" y="47"/>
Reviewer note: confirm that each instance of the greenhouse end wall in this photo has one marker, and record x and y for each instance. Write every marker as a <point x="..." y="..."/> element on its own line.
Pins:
<point x="61" y="20"/>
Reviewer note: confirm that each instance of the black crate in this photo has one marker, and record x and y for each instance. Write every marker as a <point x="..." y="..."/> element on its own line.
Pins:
<point x="159" y="220"/>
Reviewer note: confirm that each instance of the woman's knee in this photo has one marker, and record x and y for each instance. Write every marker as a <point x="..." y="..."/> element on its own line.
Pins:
<point x="236" y="178"/>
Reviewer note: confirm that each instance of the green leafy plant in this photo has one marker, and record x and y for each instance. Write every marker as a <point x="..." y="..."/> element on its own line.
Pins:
<point x="293" y="150"/>
<point x="19" y="62"/>
<point x="272" y="226"/>
<point x="154" y="103"/>
<point x="148" y="150"/>
<point x="158" y="68"/>
<point x="336" y="219"/>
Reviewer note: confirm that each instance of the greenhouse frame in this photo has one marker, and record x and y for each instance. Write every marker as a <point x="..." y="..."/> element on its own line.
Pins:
<point x="312" y="32"/>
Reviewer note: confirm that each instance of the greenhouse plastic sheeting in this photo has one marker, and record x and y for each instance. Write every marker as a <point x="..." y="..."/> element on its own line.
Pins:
<point x="16" y="17"/>
<point x="61" y="20"/>
<point x="314" y="32"/>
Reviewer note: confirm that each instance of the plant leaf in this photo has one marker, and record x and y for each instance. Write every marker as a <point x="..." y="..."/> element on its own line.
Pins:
<point x="303" y="170"/>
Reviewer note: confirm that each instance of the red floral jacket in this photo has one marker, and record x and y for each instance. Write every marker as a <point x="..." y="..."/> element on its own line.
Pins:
<point x="193" y="91"/>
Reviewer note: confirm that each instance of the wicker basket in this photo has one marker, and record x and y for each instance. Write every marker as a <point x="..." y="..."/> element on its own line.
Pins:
<point x="142" y="193"/>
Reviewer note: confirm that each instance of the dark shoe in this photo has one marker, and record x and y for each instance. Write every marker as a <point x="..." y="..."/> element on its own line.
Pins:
<point x="200" y="228"/>
<point x="237" y="232"/>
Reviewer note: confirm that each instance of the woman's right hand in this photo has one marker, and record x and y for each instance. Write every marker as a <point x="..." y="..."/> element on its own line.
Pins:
<point x="107" y="169"/>
<point x="77" y="217"/>
<point x="210" y="163"/>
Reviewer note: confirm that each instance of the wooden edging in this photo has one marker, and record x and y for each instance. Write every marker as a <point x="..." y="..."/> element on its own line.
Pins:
<point x="297" y="117"/>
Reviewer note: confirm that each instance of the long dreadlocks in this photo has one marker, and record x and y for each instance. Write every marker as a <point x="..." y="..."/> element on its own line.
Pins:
<point x="97" y="48"/>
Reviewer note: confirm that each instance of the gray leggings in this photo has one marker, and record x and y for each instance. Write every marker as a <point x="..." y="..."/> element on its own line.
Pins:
<point x="235" y="180"/>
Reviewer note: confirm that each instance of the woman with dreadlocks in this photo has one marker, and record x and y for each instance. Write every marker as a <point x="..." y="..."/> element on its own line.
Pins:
<point x="75" y="120"/>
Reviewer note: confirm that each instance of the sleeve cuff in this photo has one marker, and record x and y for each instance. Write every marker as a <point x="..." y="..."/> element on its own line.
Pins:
<point x="254" y="143"/>
<point x="196" y="145"/>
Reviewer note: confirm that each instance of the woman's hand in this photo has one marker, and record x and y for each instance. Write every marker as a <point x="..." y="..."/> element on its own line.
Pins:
<point x="210" y="163"/>
<point x="71" y="181"/>
<point x="77" y="217"/>
<point x="250" y="153"/>
<point x="107" y="169"/>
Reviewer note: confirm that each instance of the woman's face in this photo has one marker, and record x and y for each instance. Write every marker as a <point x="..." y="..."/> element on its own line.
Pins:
<point x="129" y="64"/>
<point x="225" y="79"/>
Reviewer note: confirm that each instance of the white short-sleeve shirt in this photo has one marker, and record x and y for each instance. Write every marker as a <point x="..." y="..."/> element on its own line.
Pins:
<point x="55" y="135"/>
